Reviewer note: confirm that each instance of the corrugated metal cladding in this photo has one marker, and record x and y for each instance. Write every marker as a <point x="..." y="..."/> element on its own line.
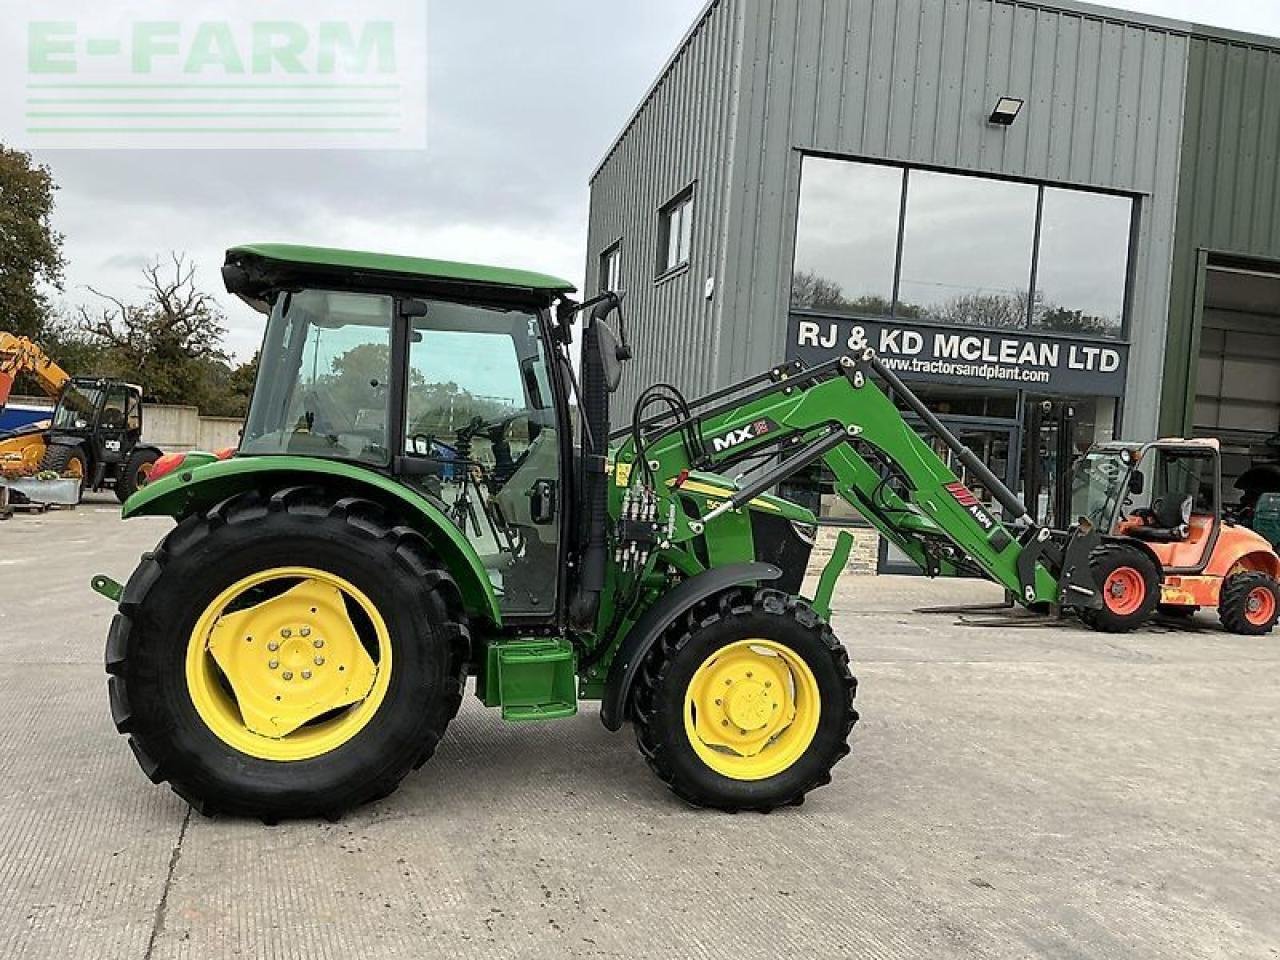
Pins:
<point x="903" y="80"/>
<point x="682" y="135"/>
<point x="1229" y="195"/>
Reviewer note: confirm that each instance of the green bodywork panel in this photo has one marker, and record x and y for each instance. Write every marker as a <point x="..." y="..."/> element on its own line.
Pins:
<point x="203" y="481"/>
<point x="831" y="573"/>
<point x="355" y="260"/>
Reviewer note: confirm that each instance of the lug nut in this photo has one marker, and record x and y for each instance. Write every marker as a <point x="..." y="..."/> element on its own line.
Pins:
<point x="288" y="675"/>
<point x="319" y="661"/>
<point x="273" y="664"/>
<point x="318" y="644"/>
<point x="306" y="674"/>
<point x="273" y="646"/>
<point x="286" y="633"/>
<point x="305" y="631"/>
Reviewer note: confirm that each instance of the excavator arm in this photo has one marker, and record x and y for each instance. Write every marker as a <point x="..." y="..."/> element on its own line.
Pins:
<point x="20" y="355"/>
<point x="793" y="417"/>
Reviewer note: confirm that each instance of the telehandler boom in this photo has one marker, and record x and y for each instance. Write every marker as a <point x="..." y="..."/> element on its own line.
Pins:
<point x="409" y="507"/>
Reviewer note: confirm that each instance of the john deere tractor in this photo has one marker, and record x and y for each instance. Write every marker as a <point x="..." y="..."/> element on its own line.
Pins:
<point x="416" y="502"/>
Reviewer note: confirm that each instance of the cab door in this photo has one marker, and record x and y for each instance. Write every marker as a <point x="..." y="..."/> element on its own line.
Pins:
<point x="482" y="437"/>
<point x="111" y="439"/>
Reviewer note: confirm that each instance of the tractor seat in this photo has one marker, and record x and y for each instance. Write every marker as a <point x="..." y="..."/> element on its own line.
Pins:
<point x="1168" y="521"/>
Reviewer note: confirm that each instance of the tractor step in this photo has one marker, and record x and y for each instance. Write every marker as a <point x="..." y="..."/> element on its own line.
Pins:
<point x="531" y="679"/>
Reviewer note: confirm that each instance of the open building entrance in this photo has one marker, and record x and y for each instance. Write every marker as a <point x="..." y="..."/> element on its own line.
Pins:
<point x="1237" y="397"/>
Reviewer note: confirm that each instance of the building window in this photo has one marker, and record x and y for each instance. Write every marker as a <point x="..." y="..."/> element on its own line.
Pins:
<point x="879" y="241"/>
<point x="846" y="249"/>
<point x="611" y="268"/>
<point x="1084" y="254"/>
<point x="967" y="245"/>
<point x="675" y="232"/>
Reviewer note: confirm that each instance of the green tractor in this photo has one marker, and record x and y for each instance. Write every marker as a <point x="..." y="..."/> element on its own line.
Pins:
<point x="423" y="493"/>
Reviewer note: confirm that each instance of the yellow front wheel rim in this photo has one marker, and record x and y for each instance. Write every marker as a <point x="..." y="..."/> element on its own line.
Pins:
<point x="288" y="663"/>
<point x="752" y="709"/>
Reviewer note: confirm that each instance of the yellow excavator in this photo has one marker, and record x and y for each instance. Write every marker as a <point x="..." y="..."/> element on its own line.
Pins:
<point x="95" y="431"/>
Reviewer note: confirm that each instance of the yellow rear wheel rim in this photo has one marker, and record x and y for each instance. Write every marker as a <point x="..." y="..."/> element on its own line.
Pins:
<point x="752" y="709"/>
<point x="278" y="669"/>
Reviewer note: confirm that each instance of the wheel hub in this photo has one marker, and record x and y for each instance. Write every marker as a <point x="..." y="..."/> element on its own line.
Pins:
<point x="748" y="705"/>
<point x="292" y="659"/>
<point x="750" y="710"/>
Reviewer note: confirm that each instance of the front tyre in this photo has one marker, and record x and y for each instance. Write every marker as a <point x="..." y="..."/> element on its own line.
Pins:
<point x="746" y="704"/>
<point x="1130" y="585"/>
<point x="285" y="656"/>
<point x="135" y="473"/>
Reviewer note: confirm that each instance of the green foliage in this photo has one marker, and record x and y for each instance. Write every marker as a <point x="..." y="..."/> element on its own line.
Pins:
<point x="171" y="343"/>
<point x="31" y="262"/>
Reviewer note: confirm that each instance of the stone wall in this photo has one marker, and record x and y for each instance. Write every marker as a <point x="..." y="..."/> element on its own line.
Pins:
<point x="863" y="558"/>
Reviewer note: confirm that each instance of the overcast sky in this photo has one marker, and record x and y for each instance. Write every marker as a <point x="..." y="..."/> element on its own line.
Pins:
<point x="524" y="97"/>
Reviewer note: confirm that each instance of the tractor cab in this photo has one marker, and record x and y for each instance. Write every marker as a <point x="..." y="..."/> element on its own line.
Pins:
<point x="447" y="378"/>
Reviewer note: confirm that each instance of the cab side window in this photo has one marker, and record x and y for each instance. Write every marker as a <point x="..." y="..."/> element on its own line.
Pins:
<point x="480" y="423"/>
<point x="114" y="415"/>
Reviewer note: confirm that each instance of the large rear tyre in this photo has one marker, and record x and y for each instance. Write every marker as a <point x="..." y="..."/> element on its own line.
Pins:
<point x="746" y="704"/>
<point x="286" y="656"/>
<point x="66" y="462"/>
<point x="1250" y="604"/>
<point x="1130" y="585"/>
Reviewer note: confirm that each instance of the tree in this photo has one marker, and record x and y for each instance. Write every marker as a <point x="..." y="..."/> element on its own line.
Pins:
<point x="814" y="291"/>
<point x="171" y="342"/>
<point x="31" y="260"/>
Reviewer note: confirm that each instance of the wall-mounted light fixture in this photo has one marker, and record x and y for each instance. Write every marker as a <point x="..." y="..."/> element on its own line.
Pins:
<point x="1006" y="111"/>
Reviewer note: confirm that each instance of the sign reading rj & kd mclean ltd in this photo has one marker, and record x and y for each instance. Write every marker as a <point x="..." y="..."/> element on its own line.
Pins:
<point x="972" y="356"/>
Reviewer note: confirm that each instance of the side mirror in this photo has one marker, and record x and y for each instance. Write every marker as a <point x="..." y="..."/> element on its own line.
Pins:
<point x="1137" y="483"/>
<point x="611" y="356"/>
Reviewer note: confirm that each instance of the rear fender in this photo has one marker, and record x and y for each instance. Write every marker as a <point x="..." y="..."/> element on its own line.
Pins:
<point x="653" y="623"/>
<point x="191" y="489"/>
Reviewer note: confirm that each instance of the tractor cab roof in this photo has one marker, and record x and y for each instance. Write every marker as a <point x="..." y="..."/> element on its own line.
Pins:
<point x="255" y="270"/>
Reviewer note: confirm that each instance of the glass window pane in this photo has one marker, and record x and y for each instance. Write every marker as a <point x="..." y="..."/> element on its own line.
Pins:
<point x="1084" y="257"/>
<point x="323" y="382"/>
<point x="686" y="230"/>
<point x="481" y="412"/>
<point x="967" y="248"/>
<point x="847" y="237"/>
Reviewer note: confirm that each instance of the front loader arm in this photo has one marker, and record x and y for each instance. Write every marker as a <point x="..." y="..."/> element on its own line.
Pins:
<point x="837" y="414"/>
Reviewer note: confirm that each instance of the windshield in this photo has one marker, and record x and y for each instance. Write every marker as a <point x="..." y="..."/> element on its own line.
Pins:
<point x="323" y="386"/>
<point x="75" y="407"/>
<point x="1098" y="481"/>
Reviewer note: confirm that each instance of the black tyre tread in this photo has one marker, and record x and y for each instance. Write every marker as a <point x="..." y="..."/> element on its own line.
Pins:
<point x="1115" y="555"/>
<point x="370" y="519"/>
<point x="1234" y="599"/>
<point x="126" y="484"/>
<point x="57" y="457"/>
<point x="653" y="675"/>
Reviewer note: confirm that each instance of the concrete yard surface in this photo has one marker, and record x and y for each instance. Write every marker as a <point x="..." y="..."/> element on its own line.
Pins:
<point x="1017" y="788"/>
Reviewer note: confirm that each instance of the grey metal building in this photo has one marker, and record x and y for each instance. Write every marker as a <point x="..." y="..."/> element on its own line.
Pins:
<point x="1061" y="222"/>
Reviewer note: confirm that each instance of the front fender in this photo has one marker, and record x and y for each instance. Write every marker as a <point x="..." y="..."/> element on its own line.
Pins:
<point x="201" y="482"/>
<point x="654" y="622"/>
